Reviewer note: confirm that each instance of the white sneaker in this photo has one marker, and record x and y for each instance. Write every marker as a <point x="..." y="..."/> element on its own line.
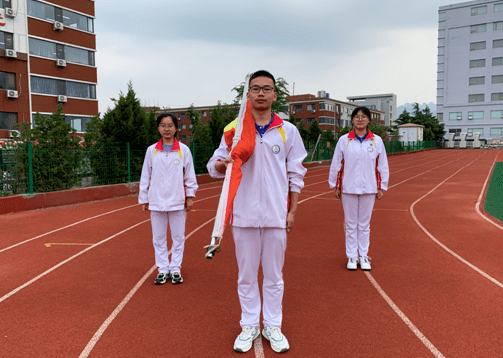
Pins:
<point x="279" y="343"/>
<point x="352" y="264"/>
<point x="245" y="339"/>
<point x="364" y="263"/>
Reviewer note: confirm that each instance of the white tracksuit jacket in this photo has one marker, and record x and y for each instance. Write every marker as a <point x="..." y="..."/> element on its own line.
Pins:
<point x="167" y="177"/>
<point x="274" y="169"/>
<point x="359" y="168"/>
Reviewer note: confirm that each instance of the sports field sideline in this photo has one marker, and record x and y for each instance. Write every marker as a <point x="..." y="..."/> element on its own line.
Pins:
<point x="77" y="281"/>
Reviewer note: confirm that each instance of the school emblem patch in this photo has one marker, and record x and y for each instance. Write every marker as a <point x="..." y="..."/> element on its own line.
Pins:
<point x="370" y="149"/>
<point x="177" y="161"/>
<point x="275" y="149"/>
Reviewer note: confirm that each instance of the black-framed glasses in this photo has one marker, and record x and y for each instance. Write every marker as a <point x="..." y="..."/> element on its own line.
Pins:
<point x="265" y="89"/>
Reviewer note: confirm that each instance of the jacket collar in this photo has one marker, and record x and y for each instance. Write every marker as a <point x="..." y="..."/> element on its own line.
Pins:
<point x="176" y="145"/>
<point x="352" y="135"/>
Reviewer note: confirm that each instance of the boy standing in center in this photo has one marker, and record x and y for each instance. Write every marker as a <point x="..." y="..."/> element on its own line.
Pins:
<point x="263" y="211"/>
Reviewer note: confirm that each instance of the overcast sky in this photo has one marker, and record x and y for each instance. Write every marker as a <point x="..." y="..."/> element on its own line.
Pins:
<point x="178" y="53"/>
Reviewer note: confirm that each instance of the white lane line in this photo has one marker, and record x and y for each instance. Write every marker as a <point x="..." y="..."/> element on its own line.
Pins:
<point x="404" y="318"/>
<point x="67" y="260"/>
<point x="259" y="348"/>
<point x="482" y="192"/>
<point x="493" y="280"/>
<point x="89" y="347"/>
<point x="66" y="227"/>
<point x="81" y="221"/>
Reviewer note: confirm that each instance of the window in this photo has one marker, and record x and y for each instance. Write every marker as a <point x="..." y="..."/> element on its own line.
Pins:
<point x="497" y="96"/>
<point x="298" y="120"/>
<point x="182" y="115"/>
<point x="5" y="4"/>
<point x="471" y="131"/>
<point x="7" y="81"/>
<point x="183" y="126"/>
<point x="455" y="116"/>
<point x="183" y="137"/>
<point x="498" y="7"/>
<point x="476" y="98"/>
<point x="496" y="114"/>
<point x="497" y="61"/>
<point x="497" y="79"/>
<point x="476" y="115"/>
<point x="496" y="131"/>
<point x="190" y="126"/>
<point x="327" y="120"/>
<point x="478" y="28"/>
<point x="440" y="117"/>
<point x="497" y="43"/>
<point x="52" y="13"/>
<point x="297" y="107"/>
<point x="61" y="87"/>
<point x="203" y="113"/>
<point x="6" y="40"/>
<point x="456" y="131"/>
<point x="478" y="63"/>
<point x="77" y="122"/>
<point x="311" y="120"/>
<point x="322" y="106"/>
<point x="475" y="46"/>
<point x="51" y="50"/>
<point x="480" y="10"/>
<point x="7" y="120"/>
<point x="498" y="26"/>
<point x="311" y="107"/>
<point x="472" y="81"/>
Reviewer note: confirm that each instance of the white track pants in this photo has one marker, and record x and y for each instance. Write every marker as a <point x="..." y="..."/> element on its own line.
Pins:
<point x="253" y="246"/>
<point x="357" y="214"/>
<point x="176" y="221"/>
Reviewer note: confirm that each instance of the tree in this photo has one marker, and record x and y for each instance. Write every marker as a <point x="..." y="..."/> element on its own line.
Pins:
<point x="107" y="139"/>
<point x="304" y="133"/>
<point x="433" y="130"/>
<point x="194" y="117"/>
<point x="314" y="132"/>
<point x="328" y="136"/>
<point x="278" y="106"/>
<point x="55" y="152"/>
<point x="292" y="119"/>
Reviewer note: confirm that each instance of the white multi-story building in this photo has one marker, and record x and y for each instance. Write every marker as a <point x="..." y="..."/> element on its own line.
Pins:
<point x="381" y="102"/>
<point x="470" y="68"/>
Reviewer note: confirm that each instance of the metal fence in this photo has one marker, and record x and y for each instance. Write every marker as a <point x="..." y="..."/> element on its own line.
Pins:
<point x="28" y="168"/>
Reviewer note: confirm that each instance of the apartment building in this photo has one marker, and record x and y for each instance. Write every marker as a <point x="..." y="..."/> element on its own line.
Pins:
<point x="470" y="68"/>
<point x="382" y="102"/>
<point x="328" y="112"/>
<point x="47" y="57"/>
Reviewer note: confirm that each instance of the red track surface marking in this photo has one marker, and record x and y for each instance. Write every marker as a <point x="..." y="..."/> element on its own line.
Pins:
<point x="66" y="227"/>
<point x="404" y="318"/>
<point x="85" y="353"/>
<point x="493" y="280"/>
<point x="64" y="262"/>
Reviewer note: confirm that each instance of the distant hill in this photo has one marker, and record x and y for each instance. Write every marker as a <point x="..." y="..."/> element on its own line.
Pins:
<point x="408" y="106"/>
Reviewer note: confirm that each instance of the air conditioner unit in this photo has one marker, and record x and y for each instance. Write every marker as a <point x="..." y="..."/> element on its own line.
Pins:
<point x="12" y="94"/>
<point x="13" y="133"/>
<point x="58" y="26"/>
<point x="314" y="111"/>
<point x="293" y="112"/>
<point x="62" y="99"/>
<point x="11" y="53"/>
<point x="10" y="12"/>
<point x="470" y="116"/>
<point x="61" y="62"/>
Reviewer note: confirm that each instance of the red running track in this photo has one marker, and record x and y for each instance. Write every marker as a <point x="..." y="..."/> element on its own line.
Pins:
<point x="435" y="288"/>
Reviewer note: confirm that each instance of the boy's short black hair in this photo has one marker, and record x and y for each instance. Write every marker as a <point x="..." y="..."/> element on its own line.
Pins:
<point x="173" y="117"/>
<point x="262" y="73"/>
